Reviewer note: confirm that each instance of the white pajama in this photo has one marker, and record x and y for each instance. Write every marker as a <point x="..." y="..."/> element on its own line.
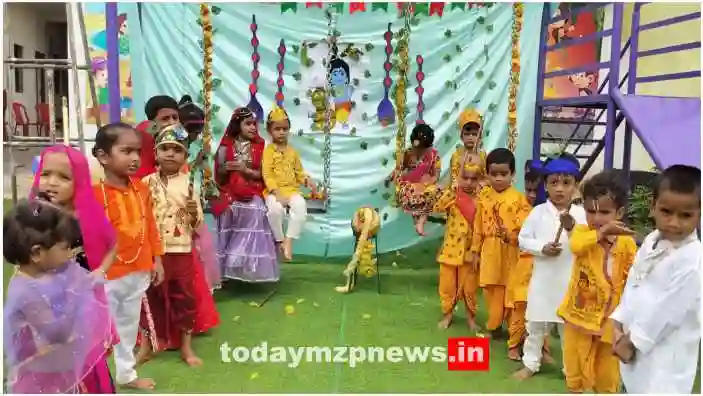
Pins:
<point x="297" y="215"/>
<point x="534" y="343"/>
<point x="125" y="298"/>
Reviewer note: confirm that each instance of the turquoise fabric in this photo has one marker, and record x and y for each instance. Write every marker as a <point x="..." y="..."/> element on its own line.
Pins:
<point x="172" y="59"/>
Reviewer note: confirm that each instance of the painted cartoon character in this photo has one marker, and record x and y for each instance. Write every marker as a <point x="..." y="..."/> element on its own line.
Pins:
<point x="99" y="40"/>
<point x="98" y="66"/>
<point x="583" y="82"/>
<point x="341" y="90"/>
<point x="560" y="30"/>
<point x="319" y="101"/>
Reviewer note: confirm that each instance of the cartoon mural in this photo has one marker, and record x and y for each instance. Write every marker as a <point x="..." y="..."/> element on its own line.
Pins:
<point x="94" y="14"/>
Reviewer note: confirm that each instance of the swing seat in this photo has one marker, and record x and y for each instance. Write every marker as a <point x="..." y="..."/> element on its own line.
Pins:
<point x="437" y="219"/>
<point x="316" y="206"/>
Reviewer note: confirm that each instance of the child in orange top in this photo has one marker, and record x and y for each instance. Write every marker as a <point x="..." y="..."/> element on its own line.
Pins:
<point x="129" y="208"/>
<point x="499" y="216"/>
<point x="603" y="254"/>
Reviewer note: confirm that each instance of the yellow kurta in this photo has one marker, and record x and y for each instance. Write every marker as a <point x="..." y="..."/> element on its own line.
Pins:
<point x="456" y="279"/>
<point x="282" y="170"/>
<point x="595" y="289"/>
<point x="508" y="208"/>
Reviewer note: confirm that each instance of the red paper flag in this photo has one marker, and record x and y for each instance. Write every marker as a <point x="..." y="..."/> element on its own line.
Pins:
<point x="411" y="8"/>
<point x="477" y="5"/>
<point x="436" y="8"/>
<point x="310" y="4"/>
<point x="357" y="6"/>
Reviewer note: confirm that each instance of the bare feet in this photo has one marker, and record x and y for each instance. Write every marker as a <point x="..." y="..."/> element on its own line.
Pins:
<point x="144" y="355"/>
<point x="445" y="322"/>
<point x="191" y="359"/>
<point x="473" y="327"/>
<point x="514" y="354"/>
<point x="141" y="383"/>
<point x="420" y="225"/>
<point x="547" y="358"/>
<point x="288" y="249"/>
<point x="523" y="374"/>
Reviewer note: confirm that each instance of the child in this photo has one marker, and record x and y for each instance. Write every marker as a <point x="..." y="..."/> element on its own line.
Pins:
<point x="520" y="275"/>
<point x="162" y="110"/>
<point x="128" y="206"/>
<point x="657" y="324"/>
<point x="471" y="130"/>
<point x="458" y="277"/>
<point x="178" y="213"/>
<point x="595" y="289"/>
<point x="417" y="189"/>
<point x="283" y="175"/>
<point x="57" y="324"/>
<point x="501" y="210"/>
<point x="541" y="237"/>
<point x="246" y="247"/>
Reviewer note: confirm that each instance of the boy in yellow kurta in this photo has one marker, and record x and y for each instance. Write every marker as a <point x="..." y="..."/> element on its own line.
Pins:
<point x="500" y="212"/>
<point x="283" y="175"/>
<point x="603" y="254"/>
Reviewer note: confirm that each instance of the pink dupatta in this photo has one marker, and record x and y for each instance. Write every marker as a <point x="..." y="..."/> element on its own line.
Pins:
<point x="425" y="167"/>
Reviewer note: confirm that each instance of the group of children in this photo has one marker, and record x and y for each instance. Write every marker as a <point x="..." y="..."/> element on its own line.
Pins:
<point x="546" y="260"/>
<point x="103" y="267"/>
<point x="129" y="254"/>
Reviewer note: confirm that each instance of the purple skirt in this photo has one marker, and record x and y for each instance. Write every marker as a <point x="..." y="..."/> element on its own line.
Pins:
<point x="246" y="250"/>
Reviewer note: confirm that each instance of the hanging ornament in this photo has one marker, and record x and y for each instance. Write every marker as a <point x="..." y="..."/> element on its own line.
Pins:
<point x="436" y="8"/>
<point x="514" y="82"/>
<point x="357" y="6"/>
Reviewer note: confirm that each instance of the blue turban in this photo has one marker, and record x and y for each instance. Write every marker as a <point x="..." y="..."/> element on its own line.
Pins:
<point x="561" y="166"/>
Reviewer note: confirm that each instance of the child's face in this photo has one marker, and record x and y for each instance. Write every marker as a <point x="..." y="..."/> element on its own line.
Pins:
<point x="124" y="156"/>
<point x="171" y="157"/>
<point x="248" y="128"/>
<point x="560" y="189"/>
<point x="279" y="131"/>
<point x="471" y="179"/>
<point x="167" y="117"/>
<point x="601" y="211"/>
<point x="52" y="258"/>
<point x="56" y="179"/>
<point x="500" y="176"/>
<point x="469" y="136"/>
<point x="531" y="191"/>
<point x="676" y="215"/>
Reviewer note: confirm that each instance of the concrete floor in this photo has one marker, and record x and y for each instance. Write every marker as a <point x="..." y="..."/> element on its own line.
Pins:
<point x="23" y="158"/>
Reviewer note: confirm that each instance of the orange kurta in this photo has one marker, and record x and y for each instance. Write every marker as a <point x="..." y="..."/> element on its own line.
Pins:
<point x="597" y="283"/>
<point x="130" y="211"/>
<point x="495" y="210"/>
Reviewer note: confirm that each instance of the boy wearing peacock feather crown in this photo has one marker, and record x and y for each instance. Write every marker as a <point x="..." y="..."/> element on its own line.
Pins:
<point x="283" y="175"/>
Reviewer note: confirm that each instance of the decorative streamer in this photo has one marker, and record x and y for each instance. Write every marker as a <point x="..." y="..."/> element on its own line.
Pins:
<point x="357" y="6"/>
<point x="437" y="8"/>
<point x="254" y="104"/>
<point x="385" y="110"/>
<point x="400" y="93"/>
<point x="311" y="4"/>
<point x="514" y="75"/>
<point x="208" y="187"/>
<point x="420" y="76"/>
<point x="281" y="65"/>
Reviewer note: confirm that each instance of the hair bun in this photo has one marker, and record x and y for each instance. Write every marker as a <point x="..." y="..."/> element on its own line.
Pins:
<point x="186" y="99"/>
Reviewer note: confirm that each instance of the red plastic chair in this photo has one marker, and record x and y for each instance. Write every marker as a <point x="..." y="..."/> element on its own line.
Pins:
<point x="22" y="119"/>
<point x="43" y="116"/>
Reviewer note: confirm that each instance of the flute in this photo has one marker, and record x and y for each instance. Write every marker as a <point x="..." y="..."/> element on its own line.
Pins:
<point x="560" y="230"/>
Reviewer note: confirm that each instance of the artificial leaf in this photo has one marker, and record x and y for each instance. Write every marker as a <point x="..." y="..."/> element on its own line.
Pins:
<point x="300" y="132"/>
<point x="373" y="191"/>
<point x="385" y="216"/>
<point x="364" y="145"/>
<point x="216" y="82"/>
<point x="445" y="116"/>
<point x="296" y="101"/>
<point x="456" y="105"/>
<point x="447" y="138"/>
<point x="447" y="33"/>
<point x="367" y="73"/>
<point x="297" y="76"/>
<point x="481" y="20"/>
<point x="352" y="132"/>
<point x="479" y="74"/>
<point x="457" y="69"/>
<point x="447" y="58"/>
<point x="295" y="48"/>
<point x="215" y="10"/>
<point x="215" y="109"/>
<point x="355" y="82"/>
<point x="386" y="196"/>
<point x="489" y="28"/>
<point x="365" y="97"/>
<point x="387" y="141"/>
<point x="486" y="132"/>
<point x="491" y="85"/>
<point x="364" y="117"/>
<point x="492" y="107"/>
<point x="384" y="161"/>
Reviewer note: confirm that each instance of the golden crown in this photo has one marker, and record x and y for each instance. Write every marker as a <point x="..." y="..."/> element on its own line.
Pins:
<point x="469" y="115"/>
<point x="277" y="114"/>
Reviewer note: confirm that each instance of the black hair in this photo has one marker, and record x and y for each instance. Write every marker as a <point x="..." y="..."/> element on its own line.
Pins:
<point x="607" y="183"/>
<point x="158" y="102"/>
<point x="107" y="136"/>
<point x="31" y="223"/>
<point x="471" y="126"/>
<point x="532" y="175"/>
<point x="681" y="179"/>
<point x="339" y="63"/>
<point x="190" y="115"/>
<point x="500" y="156"/>
<point x="424" y="133"/>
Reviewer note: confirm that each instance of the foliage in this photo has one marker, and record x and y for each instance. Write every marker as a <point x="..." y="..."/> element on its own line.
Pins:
<point x="638" y="209"/>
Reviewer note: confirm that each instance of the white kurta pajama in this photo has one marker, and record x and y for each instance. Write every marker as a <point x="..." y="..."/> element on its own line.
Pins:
<point x="550" y="276"/>
<point x="660" y="308"/>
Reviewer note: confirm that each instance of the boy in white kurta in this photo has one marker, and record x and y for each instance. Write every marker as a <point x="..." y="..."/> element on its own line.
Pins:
<point x="552" y="264"/>
<point x="657" y="324"/>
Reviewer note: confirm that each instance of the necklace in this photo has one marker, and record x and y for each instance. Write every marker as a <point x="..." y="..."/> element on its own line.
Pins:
<point x="142" y="231"/>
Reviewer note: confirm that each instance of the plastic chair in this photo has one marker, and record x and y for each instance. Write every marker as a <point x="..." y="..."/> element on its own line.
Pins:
<point x="43" y="119"/>
<point x="19" y="113"/>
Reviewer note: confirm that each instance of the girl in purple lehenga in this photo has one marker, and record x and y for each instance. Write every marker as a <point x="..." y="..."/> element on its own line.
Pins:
<point x="246" y="249"/>
<point x="57" y="324"/>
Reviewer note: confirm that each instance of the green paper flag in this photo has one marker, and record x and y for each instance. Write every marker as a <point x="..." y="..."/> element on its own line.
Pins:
<point x="422" y="8"/>
<point x="379" y="6"/>
<point x="458" y="5"/>
<point x="338" y="7"/>
<point x="289" y="6"/>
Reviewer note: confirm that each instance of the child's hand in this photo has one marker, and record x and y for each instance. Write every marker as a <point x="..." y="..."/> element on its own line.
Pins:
<point x="624" y="349"/>
<point x="567" y="221"/>
<point x="615" y="228"/>
<point x="281" y="199"/>
<point x="474" y="261"/>
<point x="157" y="274"/>
<point x="552" y="249"/>
<point x="311" y="185"/>
<point x="235" y="166"/>
<point x="192" y="208"/>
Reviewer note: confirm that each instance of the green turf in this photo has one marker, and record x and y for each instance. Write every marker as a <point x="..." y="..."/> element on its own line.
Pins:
<point x="405" y="314"/>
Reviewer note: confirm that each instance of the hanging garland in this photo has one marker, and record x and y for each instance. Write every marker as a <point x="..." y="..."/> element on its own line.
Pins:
<point x="400" y="91"/>
<point x="518" y="9"/>
<point x="208" y="187"/>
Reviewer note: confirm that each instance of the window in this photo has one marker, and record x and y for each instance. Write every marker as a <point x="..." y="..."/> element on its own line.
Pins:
<point x="17" y="52"/>
<point x="41" y="91"/>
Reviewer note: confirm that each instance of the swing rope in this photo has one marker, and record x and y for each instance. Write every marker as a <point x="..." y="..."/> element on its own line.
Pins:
<point x="327" y="147"/>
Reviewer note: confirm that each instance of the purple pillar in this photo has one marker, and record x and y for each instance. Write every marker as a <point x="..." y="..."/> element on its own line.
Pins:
<point x="113" y="62"/>
<point x="613" y="84"/>
<point x="631" y="88"/>
<point x="541" y="64"/>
